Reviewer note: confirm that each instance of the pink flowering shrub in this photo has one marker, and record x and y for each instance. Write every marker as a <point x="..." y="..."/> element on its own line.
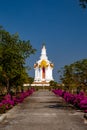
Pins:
<point x="8" y="103"/>
<point x="78" y="100"/>
<point x="83" y="103"/>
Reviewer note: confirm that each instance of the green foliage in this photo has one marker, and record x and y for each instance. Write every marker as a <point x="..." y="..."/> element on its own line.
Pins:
<point x="53" y="84"/>
<point x="75" y="74"/>
<point x="3" y="109"/>
<point x="30" y="80"/>
<point x="13" y="53"/>
<point x="83" y="3"/>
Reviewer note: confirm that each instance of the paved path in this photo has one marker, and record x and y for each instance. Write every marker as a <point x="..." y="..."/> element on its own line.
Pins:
<point x="43" y="111"/>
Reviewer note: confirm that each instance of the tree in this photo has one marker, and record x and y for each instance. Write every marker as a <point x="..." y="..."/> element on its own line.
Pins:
<point x="83" y="3"/>
<point x="53" y="84"/>
<point x="75" y="74"/>
<point x="66" y="76"/>
<point x="30" y="81"/>
<point x="13" y="54"/>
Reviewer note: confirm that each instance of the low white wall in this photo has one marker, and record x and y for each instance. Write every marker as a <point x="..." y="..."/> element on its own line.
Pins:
<point x="36" y="85"/>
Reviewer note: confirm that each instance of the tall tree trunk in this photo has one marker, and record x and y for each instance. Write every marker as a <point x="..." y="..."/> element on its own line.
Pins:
<point x="8" y="86"/>
<point x="22" y="89"/>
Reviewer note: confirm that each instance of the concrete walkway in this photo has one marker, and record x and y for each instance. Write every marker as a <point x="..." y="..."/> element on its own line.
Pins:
<point x="43" y="111"/>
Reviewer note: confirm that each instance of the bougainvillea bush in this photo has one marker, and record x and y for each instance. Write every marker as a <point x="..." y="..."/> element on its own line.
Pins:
<point x="7" y="103"/>
<point x="78" y="100"/>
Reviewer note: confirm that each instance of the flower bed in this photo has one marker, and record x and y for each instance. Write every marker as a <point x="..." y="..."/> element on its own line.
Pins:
<point x="7" y="103"/>
<point x="78" y="100"/>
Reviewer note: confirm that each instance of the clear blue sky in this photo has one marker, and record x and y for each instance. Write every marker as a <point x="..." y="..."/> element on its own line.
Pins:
<point x="61" y="24"/>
